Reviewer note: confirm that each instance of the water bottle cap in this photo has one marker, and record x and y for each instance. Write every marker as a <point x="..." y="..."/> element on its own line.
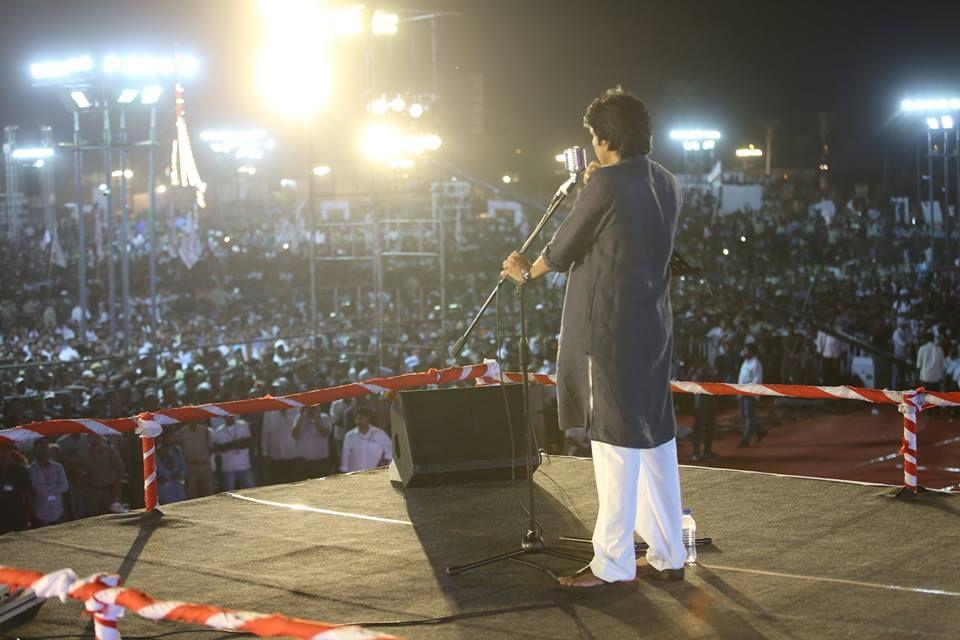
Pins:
<point x="686" y="512"/>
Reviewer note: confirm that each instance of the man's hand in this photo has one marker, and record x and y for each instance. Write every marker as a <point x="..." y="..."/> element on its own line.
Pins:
<point x="593" y="166"/>
<point x="514" y="267"/>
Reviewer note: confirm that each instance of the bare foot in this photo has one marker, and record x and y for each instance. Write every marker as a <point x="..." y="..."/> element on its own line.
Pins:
<point x="585" y="579"/>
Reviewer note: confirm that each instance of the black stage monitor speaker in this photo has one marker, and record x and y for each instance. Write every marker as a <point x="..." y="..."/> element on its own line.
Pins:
<point x="453" y="436"/>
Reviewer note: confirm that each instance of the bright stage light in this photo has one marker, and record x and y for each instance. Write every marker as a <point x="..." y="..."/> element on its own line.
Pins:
<point x="58" y="69"/>
<point x="80" y="99"/>
<point x="32" y="153"/>
<point x="507" y="179"/>
<point x="161" y="189"/>
<point x="946" y="122"/>
<point x="384" y="23"/>
<point x="726" y="251"/>
<point x="293" y="70"/>
<point x="708" y="145"/>
<point x="321" y="170"/>
<point x="149" y="66"/>
<point x="38" y="164"/>
<point x="127" y="96"/>
<point x="247" y="169"/>
<point x="151" y="94"/>
<point x="749" y="152"/>
<point x="695" y="134"/>
<point x="383" y="142"/>
<point x="398" y="104"/>
<point x="743" y="238"/>
<point x="432" y="142"/>
<point x="930" y="104"/>
<point x="824" y="167"/>
<point x="380" y="106"/>
<point x="416" y="110"/>
<point x="691" y="145"/>
<point x="102" y="187"/>
<point x="933" y="122"/>
<point x="288" y="183"/>
<point x="117" y="173"/>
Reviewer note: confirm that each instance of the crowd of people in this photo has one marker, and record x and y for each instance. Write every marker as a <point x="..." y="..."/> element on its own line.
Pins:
<point x="781" y="289"/>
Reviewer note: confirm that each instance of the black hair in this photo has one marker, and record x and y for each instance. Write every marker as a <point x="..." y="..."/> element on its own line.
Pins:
<point x="363" y="411"/>
<point x="622" y="120"/>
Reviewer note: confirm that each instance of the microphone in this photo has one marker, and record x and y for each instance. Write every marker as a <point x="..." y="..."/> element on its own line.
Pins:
<point x="575" y="160"/>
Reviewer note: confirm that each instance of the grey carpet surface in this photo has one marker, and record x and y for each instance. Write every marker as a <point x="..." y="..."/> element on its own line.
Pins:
<point x="792" y="558"/>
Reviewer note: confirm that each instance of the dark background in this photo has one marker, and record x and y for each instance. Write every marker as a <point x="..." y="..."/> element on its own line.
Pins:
<point x="724" y="65"/>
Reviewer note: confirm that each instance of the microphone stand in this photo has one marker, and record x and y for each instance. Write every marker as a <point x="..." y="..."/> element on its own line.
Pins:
<point x="532" y="543"/>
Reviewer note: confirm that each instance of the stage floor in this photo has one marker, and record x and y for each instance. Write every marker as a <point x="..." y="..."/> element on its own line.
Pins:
<point x="792" y="558"/>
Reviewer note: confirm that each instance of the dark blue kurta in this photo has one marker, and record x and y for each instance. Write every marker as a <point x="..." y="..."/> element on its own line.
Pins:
<point x="616" y="335"/>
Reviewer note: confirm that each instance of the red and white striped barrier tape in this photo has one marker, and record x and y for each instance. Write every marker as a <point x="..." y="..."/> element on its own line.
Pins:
<point x="910" y="403"/>
<point x="107" y="601"/>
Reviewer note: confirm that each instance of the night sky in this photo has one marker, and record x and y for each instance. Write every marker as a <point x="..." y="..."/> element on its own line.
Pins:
<point x="725" y="65"/>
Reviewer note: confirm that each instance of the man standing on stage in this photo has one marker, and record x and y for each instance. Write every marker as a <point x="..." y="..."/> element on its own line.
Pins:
<point x="616" y="342"/>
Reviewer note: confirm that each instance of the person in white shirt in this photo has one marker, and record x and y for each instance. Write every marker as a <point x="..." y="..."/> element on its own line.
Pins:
<point x="365" y="446"/>
<point x="751" y="372"/>
<point x="831" y="351"/>
<point x="231" y="438"/>
<point x="901" y="350"/>
<point x="312" y="434"/>
<point x="278" y="446"/>
<point x="930" y="363"/>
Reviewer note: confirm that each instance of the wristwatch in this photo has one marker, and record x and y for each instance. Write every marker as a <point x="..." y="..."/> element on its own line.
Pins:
<point x="526" y="275"/>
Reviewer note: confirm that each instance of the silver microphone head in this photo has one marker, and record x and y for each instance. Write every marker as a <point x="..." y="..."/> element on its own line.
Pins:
<point x="575" y="160"/>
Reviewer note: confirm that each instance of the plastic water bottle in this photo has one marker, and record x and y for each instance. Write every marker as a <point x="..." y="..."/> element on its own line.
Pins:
<point x="689" y="536"/>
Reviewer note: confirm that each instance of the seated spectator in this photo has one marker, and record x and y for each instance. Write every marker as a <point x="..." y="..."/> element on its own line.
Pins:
<point x="365" y="446"/>
<point x="49" y="481"/>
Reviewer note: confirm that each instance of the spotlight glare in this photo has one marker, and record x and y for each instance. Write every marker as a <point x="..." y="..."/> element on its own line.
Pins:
<point x="709" y="144"/>
<point x="80" y="99"/>
<point x="384" y="23"/>
<point x="507" y="179"/>
<point x="127" y="96"/>
<point x="151" y="94"/>
<point x="416" y="110"/>
<point x="321" y="170"/>
<point x="398" y="104"/>
<point x="32" y="153"/>
<point x="432" y="142"/>
<point x="946" y="122"/>
<point x="933" y="122"/>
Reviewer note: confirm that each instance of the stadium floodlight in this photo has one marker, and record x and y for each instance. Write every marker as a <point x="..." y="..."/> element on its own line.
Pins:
<point x="60" y="69"/>
<point x="127" y="96"/>
<point x="288" y="183"/>
<point x="151" y="94"/>
<point x="384" y="23"/>
<point x="415" y="110"/>
<point x="321" y="170"/>
<point x="695" y="134"/>
<point x="80" y="99"/>
<point x="382" y="142"/>
<point x="930" y="104"/>
<point x="32" y="153"/>
<point x="749" y="152"/>
<point x="946" y="122"/>
<point x="149" y="66"/>
<point x="933" y="123"/>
